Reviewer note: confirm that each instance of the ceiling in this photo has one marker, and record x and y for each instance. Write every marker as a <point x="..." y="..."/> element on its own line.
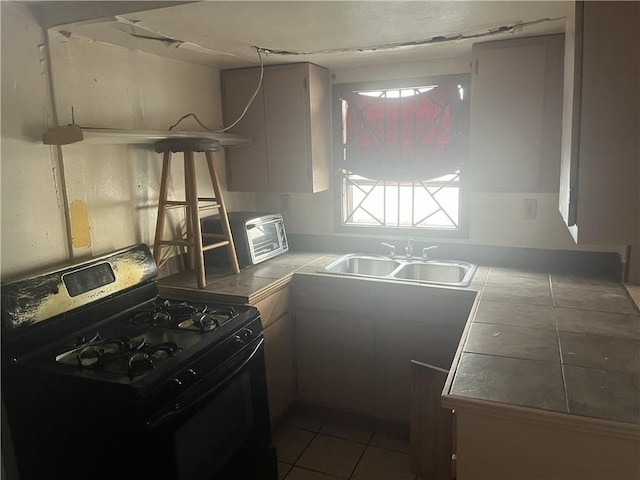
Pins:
<point x="335" y="34"/>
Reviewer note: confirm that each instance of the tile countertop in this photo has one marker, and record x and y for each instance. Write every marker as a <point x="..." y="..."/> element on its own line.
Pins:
<point x="556" y="342"/>
<point x="250" y="286"/>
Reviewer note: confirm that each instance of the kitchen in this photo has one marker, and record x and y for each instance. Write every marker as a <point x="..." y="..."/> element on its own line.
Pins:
<point x="112" y="190"/>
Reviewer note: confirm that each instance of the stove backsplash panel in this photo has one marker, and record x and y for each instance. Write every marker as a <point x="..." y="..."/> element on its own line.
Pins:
<point x="40" y="298"/>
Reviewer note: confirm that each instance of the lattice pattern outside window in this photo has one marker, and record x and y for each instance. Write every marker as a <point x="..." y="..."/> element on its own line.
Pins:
<point x="425" y="204"/>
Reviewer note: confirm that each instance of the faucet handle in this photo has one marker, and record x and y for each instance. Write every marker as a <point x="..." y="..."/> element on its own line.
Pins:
<point x="425" y="255"/>
<point x="392" y="248"/>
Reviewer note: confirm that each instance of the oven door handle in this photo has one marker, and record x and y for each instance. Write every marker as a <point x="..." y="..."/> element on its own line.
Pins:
<point x="153" y="423"/>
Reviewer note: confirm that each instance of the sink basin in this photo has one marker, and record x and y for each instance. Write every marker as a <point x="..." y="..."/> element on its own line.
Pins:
<point x="438" y="272"/>
<point x="445" y="273"/>
<point x="371" y="266"/>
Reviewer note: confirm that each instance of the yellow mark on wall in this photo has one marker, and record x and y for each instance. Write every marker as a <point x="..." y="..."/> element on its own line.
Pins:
<point x="80" y="231"/>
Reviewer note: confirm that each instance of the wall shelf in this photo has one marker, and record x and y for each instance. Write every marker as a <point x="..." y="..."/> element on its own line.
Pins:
<point x="70" y="134"/>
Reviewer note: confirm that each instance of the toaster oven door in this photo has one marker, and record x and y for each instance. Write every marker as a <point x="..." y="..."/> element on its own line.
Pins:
<point x="266" y="240"/>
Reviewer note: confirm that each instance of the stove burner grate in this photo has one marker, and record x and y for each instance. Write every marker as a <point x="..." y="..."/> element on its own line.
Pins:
<point x="147" y="358"/>
<point x="124" y="355"/>
<point x="206" y="321"/>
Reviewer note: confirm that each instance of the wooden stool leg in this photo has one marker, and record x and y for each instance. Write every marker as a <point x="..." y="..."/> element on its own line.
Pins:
<point x="224" y="221"/>
<point x="162" y="206"/>
<point x="189" y="235"/>
<point x="194" y="215"/>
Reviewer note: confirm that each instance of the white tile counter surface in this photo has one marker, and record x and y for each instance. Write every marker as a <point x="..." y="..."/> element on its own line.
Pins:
<point x="556" y="342"/>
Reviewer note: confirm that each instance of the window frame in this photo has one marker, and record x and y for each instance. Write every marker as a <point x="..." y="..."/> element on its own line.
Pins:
<point x="462" y="231"/>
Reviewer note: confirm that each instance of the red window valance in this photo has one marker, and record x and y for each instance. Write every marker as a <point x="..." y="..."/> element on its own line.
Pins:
<point x="415" y="137"/>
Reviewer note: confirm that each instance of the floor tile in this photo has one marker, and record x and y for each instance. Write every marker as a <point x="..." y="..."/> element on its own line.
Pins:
<point x="290" y="442"/>
<point x="347" y="432"/>
<point x="511" y="341"/>
<point x="298" y="473"/>
<point x="283" y="469"/>
<point x="617" y="301"/>
<point x="596" y="351"/>
<point x="390" y="442"/>
<point x="521" y="315"/>
<point x="510" y="380"/>
<point x="380" y="464"/>
<point x="603" y="394"/>
<point x="331" y="455"/>
<point x="535" y="295"/>
<point x="598" y="323"/>
<point x="304" y="421"/>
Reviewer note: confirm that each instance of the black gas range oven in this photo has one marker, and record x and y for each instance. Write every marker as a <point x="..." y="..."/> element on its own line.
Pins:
<point x="101" y="378"/>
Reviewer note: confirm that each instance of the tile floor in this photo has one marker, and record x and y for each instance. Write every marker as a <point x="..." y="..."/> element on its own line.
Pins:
<point x="310" y="448"/>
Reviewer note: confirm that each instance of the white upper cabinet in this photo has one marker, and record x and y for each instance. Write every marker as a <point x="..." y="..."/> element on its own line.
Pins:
<point x="600" y="171"/>
<point x="288" y="123"/>
<point x="516" y="115"/>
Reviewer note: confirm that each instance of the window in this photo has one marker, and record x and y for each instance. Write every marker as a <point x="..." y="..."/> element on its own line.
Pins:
<point x="402" y="156"/>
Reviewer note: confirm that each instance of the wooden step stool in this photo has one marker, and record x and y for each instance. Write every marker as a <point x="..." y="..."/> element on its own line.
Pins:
<point x="192" y="239"/>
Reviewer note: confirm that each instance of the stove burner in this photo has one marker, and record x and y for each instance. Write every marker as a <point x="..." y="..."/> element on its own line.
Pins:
<point x="205" y="322"/>
<point x="109" y="354"/>
<point x="169" y="313"/>
<point x="93" y="350"/>
<point x="200" y="322"/>
<point x="179" y="309"/>
<point x="149" y="356"/>
<point x="158" y="318"/>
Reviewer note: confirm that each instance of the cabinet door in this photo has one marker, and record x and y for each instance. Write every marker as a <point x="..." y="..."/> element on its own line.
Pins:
<point x="335" y="360"/>
<point x="287" y="116"/>
<point x="516" y="115"/>
<point x="278" y="339"/>
<point x="246" y="166"/>
<point x="600" y="169"/>
<point x="397" y="344"/>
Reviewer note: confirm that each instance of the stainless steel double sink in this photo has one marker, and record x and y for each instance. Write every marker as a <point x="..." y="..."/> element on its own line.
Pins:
<point x="438" y="272"/>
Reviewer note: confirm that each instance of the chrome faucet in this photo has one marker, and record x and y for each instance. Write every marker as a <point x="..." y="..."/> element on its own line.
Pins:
<point x="392" y="249"/>
<point x="408" y="250"/>
<point x="425" y="255"/>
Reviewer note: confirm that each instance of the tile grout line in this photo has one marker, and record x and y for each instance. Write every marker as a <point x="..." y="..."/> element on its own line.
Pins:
<point x="366" y="445"/>
<point x="555" y="322"/>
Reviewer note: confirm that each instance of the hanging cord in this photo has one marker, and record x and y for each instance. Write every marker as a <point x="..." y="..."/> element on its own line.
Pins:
<point x="255" y="94"/>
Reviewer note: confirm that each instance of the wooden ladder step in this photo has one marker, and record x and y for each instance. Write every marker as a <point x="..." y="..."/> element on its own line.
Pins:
<point x="179" y="243"/>
<point x="224" y="243"/>
<point x="179" y="204"/>
<point x="214" y="235"/>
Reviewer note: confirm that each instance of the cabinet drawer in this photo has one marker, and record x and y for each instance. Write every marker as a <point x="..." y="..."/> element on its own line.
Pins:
<point x="274" y="306"/>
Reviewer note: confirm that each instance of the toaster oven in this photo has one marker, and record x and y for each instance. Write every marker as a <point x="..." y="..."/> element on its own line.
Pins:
<point x="257" y="237"/>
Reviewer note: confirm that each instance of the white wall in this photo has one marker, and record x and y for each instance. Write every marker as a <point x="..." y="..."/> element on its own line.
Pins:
<point x="496" y="218"/>
<point x="107" y="86"/>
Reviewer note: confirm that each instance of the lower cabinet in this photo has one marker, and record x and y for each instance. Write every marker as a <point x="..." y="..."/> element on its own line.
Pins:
<point x="278" y="346"/>
<point x="505" y="443"/>
<point x="355" y="340"/>
<point x="335" y="359"/>
<point x="397" y="344"/>
<point x="278" y="341"/>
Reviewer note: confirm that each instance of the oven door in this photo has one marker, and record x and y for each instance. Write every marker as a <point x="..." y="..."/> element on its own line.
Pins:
<point x="219" y="429"/>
